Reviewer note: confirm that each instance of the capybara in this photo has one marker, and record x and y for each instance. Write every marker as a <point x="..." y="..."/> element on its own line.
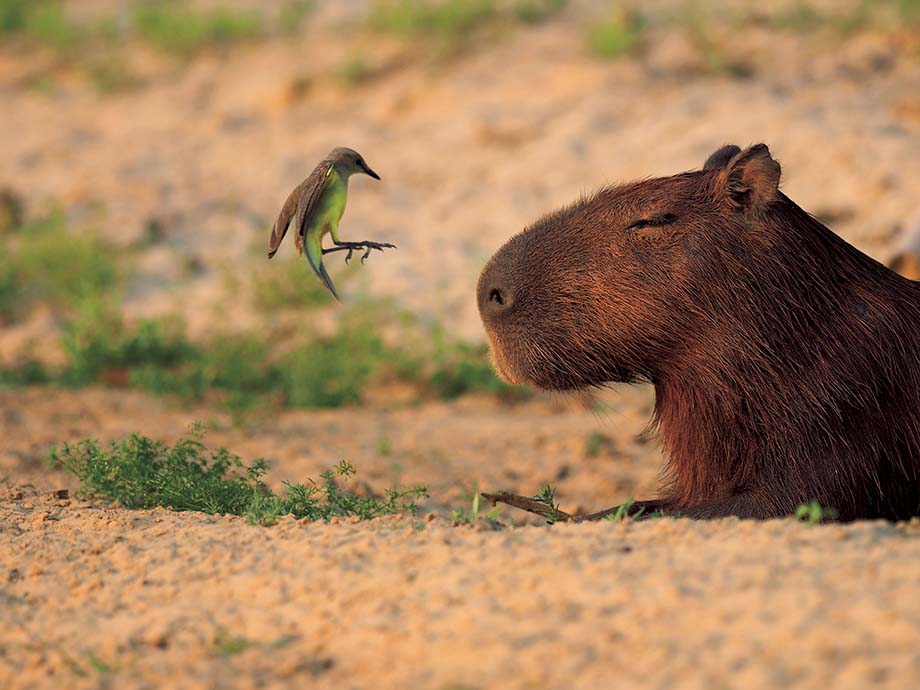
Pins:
<point x="786" y="363"/>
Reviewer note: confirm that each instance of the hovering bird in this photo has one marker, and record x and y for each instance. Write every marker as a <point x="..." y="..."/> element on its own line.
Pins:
<point x="315" y="207"/>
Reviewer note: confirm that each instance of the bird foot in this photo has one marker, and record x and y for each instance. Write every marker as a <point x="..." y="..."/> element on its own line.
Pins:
<point x="350" y="247"/>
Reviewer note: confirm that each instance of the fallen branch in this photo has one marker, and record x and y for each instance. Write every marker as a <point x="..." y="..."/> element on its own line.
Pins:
<point x="635" y="510"/>
<point x="530" y="504"/>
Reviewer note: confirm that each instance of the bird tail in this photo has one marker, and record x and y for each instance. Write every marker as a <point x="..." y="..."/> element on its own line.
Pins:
<point x="314" y="254"/>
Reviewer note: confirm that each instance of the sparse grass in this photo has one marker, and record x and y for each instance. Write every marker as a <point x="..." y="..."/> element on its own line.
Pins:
<point x="618" y="35"/>
<point x="325" y="371"/>
<point x="450" y="20"/>
<point x="47" y="24"/>
<point x="76" y="275"/>
<point x="813" y="512"/>
<point x="44" y="263"/>
<point x="292" y="15"/>
<point x="355" y="70"/>
<point x="622" y="512"/>
<point x="909" y="10"/>
<point x="141" y="473"/>
<point x="173" y="28"/>
<point x="333" y="371"/>
<point x="462" y="517"/>
<point x="228" y="644"/>
<point x="593" y="444"/>
<point x="459" y="368"/>
<point x="290" y="285"/>
<point x="40" y="20"/>
<point x="537" y="11"/>
<point x="158" y="357"/>
<point x="110" y="73"/>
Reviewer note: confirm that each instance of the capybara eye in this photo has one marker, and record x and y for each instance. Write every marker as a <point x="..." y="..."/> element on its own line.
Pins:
<point x="496" y="296"/>
<point x="666" y="219"/>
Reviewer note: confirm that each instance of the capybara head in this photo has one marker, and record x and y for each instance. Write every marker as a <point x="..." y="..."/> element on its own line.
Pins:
<point x="785" y="361"/>
<point x="608" y="288"/>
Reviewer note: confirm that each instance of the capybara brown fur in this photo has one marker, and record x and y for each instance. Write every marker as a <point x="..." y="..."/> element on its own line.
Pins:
<point x="786" y="363"/>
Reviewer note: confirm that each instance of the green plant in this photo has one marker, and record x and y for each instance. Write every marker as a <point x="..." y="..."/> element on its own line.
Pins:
<point x="98" y="664"/>
<point x="290" y="285"/>
<point x="173" y="28"/>
<point x="461" y="516"/>
<point x="354" y="70"/>
<point x="227" y="644"/>
<point x="457" y="368"/>
<point x="536" y="11"/>
<point x="47" y="264"/>
<point x="909" y="10"/>
<point x="41" y="20"/>
<point x="449" y="21"/>
<point x="619" y="34"/>
<point x="110" y="73"/>
<point x="142" y="473"/>
<point x="547" y="497"/>
<point x="622" y="512"/>
<point x="384" y="447"/>
<point x="593" y="444"/>
<point x="292" y="14"/>
<point x="332" y="371"/>
<point x="813" y="512"/>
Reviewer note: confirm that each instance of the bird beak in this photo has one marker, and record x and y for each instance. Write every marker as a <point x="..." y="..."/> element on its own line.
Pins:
<point x="370" y="172"/>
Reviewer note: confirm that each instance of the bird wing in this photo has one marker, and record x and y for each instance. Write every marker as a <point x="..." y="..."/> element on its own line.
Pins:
<point x="301" y="201"/>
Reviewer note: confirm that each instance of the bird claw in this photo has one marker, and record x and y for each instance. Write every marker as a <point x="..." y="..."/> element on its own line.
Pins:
<point x="350" y="247"/>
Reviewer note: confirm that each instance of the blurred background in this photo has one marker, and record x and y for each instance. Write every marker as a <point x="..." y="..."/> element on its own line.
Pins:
<point x="146" y="148"/>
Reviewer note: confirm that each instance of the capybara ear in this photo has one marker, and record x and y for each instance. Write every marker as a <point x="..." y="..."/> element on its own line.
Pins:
<point x="720" y="158"/>
<point x="751" y="178"/>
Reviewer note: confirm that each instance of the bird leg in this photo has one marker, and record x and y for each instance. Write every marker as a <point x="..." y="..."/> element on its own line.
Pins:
<point x="351" y="246"/>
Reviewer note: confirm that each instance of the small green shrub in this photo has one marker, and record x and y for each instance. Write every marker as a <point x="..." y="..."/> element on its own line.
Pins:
<point x="813" y="512"/>
<point x="355" y="70"/>
<point x="13" y="14"/>
<point x="459" y="367"/>
<point x="292" y="14"/>
<point x="97" y="342"/>
<point x="594" y="443"/>
<point x="616" y="36"/>
<point x="547" y="497"/>
<point x="463" y="517"/>
<point x="450" y="21"/>
<point x="333" y="371"/>
<point x="110" y="73"/>
<point x="171" y="27"/>
<point x="536" y="11"/>
<point x="909" y="10"/>
<point x="139" y="472"/>
<point x="622" y="512"/>
<point x="47" y="264"/>
<point x="47" y="24"/>
<point x="228" y="644"/>
<point x="290" y="285"/>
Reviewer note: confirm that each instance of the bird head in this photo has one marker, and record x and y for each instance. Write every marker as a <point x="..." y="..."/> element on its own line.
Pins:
<point x="350" y="162"/>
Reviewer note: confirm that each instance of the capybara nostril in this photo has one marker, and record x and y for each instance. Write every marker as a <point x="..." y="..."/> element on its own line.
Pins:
<point x="497" y="299"/>
<point x="494" y="295"/>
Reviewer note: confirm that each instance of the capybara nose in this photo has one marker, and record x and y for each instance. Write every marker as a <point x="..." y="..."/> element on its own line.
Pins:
<point x="495" y="298"/>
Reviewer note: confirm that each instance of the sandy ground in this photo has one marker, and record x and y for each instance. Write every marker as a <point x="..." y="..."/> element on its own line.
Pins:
<point x="470" y="152"/>
<point x="99" y="597"/>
